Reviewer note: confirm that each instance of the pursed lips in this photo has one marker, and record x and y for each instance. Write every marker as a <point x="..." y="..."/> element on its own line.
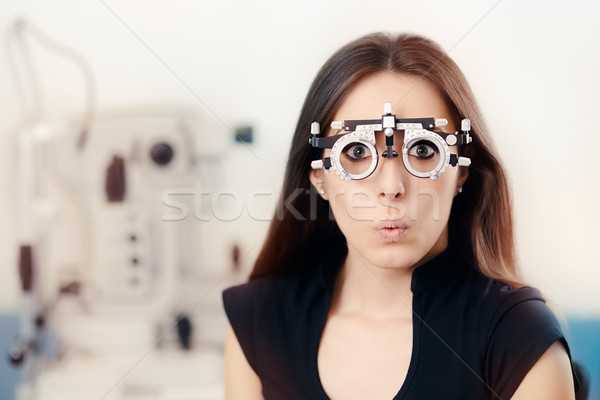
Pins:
<point x="391" y="230"/>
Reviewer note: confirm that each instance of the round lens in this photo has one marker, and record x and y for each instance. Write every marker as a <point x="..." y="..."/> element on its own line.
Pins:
<point x="425" y="153"/>
<point x="356" y="158"/>
<point x="423" y="156"/>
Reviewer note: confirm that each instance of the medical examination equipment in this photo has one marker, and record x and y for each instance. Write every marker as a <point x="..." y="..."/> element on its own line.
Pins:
<point x="111" y="279"/>
<point x="425" y="151"/>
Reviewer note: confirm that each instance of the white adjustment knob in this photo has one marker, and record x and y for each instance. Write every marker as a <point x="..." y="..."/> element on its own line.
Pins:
<point x="464" y="161"/>
<point x="465" y="125"/>
<point x="387" y="108"/>
<point x="439" y="122"/>
<point x="451" y="140"/>
<point x="315" y="128"/>
<point x="318" y="164"/>
<point x="337" y="125"/>
<point x="389" y="132"/>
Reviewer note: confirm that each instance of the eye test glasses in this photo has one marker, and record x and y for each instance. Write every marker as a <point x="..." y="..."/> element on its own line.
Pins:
<point x="425" y="151"/>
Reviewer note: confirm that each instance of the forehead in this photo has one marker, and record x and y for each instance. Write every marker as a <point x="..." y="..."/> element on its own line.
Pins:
<point x="411" y="96"/>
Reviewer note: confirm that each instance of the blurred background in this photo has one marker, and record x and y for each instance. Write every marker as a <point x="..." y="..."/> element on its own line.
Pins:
<point x="143" y="145"/>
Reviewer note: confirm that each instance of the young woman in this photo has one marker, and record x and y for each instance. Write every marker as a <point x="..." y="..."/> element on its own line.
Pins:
<point x="392" y="273"/>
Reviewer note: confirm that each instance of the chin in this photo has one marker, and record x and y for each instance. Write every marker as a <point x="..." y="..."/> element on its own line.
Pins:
<point x="395" y="258"/>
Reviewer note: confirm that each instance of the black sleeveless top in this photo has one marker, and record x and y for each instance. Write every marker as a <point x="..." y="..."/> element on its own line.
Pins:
<point x="473" y="337"/>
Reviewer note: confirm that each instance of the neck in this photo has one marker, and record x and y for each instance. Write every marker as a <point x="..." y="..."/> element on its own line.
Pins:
<point x="363" y="289"/>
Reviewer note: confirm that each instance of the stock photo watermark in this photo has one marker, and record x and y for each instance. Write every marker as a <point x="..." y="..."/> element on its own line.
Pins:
<point x="228" y="204"/>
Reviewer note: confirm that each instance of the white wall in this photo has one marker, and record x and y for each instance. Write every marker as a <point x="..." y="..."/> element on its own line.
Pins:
<point x="533" y="66"/>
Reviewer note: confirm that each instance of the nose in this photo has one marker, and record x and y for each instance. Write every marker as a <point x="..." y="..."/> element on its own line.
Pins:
<point x="391" y="178"/>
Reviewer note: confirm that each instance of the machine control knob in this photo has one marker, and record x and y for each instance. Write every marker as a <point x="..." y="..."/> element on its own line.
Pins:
<point x="162" y="153"/>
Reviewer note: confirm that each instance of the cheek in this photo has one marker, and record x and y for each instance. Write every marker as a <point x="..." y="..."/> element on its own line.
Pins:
<point x="431" y="201"/>
<point x="352" y="203"/>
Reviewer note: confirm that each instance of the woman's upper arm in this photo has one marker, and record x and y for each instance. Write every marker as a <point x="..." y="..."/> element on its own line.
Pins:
<point x="549" y="378"/>
<point x="241" y="382"/>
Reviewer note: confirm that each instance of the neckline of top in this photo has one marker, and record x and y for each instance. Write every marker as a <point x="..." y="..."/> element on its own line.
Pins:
<point x="442" y="269"/>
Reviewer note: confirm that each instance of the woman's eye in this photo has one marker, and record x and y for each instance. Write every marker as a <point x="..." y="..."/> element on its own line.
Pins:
<point x="422" y="150"/>
<point x="358" y="152"/>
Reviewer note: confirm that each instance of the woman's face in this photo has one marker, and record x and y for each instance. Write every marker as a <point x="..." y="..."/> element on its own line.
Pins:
<point x="392" y="219"/>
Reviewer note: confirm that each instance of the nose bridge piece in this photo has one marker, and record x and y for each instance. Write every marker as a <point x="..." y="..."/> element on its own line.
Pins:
<point x="388" y="123"/>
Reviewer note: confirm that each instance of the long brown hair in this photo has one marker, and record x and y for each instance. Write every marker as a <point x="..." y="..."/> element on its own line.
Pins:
<point x="480" y="225"/>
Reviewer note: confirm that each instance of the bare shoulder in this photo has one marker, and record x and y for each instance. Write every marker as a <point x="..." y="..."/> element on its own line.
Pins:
<point x="549" y="378"/>
<point x="241" y="382"/>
